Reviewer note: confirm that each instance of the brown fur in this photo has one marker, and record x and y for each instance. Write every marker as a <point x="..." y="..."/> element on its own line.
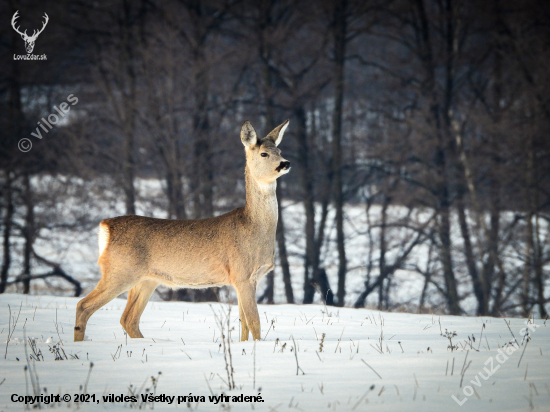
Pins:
<point x="138" y="253"/>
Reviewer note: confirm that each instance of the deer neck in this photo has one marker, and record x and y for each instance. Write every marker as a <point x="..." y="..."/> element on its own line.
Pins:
<point x="261" y="202"/>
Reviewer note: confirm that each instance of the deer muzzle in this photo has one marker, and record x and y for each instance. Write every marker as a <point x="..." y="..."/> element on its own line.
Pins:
<point x="283" y="166"/>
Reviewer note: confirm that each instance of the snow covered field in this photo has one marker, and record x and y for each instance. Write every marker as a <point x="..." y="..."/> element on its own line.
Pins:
<point x="353" y="359"/>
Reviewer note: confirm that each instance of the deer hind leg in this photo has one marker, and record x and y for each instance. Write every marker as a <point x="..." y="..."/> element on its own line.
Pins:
<point x="246" y="294"/>
<point x="104" y="292"/>
<point x="137" y="300"/>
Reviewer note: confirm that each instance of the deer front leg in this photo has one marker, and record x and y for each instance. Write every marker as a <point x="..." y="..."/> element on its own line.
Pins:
<point x="244" y="326"/>
<point x="248" y="310"/>
<point x="104" y="292"/>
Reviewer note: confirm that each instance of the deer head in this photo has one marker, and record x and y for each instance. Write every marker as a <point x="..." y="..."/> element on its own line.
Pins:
<point x="29" y="40"/>
<point x="263" y="158"/>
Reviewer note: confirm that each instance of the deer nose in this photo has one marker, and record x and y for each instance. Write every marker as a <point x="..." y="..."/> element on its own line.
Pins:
<point x="284" y="165"/>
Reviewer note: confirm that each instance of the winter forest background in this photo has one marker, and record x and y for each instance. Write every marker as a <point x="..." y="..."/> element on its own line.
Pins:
<point x="418" y="139"/>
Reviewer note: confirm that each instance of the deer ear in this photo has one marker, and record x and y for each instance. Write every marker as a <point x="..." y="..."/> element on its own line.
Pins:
<point x="248" y="135"/>
<point x="277" y="134"/>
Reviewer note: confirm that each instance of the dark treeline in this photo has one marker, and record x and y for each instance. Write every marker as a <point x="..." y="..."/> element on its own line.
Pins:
<point x="438" y="109"/>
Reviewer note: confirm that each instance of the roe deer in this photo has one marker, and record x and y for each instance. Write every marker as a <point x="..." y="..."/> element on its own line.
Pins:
<point x="138" y="253"/>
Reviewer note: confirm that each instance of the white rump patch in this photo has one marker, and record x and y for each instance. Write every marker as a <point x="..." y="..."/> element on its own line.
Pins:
<point x="102" y="237"/>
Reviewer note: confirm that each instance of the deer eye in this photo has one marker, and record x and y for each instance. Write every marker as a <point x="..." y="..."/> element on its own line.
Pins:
<point x="264" y="154"/>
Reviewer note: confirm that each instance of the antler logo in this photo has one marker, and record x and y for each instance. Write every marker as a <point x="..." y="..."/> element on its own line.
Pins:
<point x="29" y="40"/>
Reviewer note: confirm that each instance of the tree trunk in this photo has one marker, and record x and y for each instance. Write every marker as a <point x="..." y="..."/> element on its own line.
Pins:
<point x="128" y="173"/>
<point x="15" y="121"/>
<point x="8" y="221"/>
<point x="319" y="272"/>
<point x="470" y="259"/>
<point x="439" y="118"/>
<point x="527" y="268"/>
<point x="447" y="261"/>
<point x="202" y="175"/>
<point x="28" y="232"/>
<point x="538" y="271"/>
<point x="360" y="302"/>
<point x="176" y="206"/>
<point x="382" y="256"/>
<point x="283" y="256"/>
<point x="427" y="279"/>
<point x="128" y="112"/>
<point x="339" y="35"/>
<point x="309" y="207"/>
<point x="533" y="259"/>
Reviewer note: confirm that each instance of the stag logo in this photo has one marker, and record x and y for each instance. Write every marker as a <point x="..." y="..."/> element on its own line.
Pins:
<point x="29" y="40"/>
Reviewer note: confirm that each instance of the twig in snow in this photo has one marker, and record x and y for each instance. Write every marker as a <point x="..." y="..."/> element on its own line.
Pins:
<point x="481" y="336"/>
<point x="10" y="329"/>
<point x="209" y="388"/>
<point x="222" y="379"/>
<point x="378" y="350"/>
<point x="296" y="356"/>
<point x="223" y="323"/>
<point x="510" y="330"/>
<point x="339" y="339"/>
<point x="32" y="372"/>
<point x="270" y="326"/>
<point x="319" y="356"/>
<point x="525" y="347"/>
<point x="464" y="372"/>
<point x="466" y="358"/>
<point x="325" y="303"/>
<point x="371" y="368"/>
<point x="56" y="328"/>
<point x="362" y="397"/>
<point x="88" y="378"/>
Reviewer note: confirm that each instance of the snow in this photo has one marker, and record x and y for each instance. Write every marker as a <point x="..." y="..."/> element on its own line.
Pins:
<point x="414" y="372"/>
